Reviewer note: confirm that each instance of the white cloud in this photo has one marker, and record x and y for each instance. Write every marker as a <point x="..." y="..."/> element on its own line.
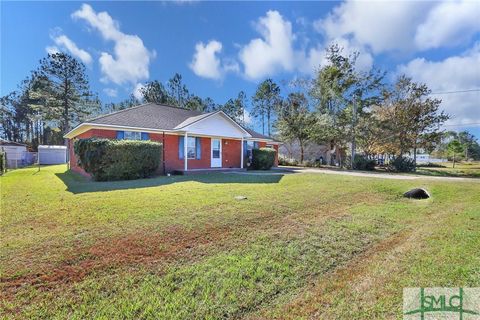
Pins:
<point x="273" y="51"/>
<point x="405" y="26"/>
<point x="52" y="49"/>
<point x="110" y="92"/>
<point x="449" y="23"/>
<point x="130" y="60"/>
<point x="247" y="117"/>
<point x="380" y="25"/>
<point x="136" y="91"/>
<point x="315" y="57"/>
<point x="454" y="73"/>
<point x="205" y="62"/>
<point x="65" y="42"/>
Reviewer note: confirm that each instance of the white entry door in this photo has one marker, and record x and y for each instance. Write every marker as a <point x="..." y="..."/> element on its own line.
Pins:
<point x="216" y="154"/>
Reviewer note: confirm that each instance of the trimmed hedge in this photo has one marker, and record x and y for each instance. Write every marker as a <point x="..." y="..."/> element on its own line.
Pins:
<point x="108" y="160"/>
<point x="3" y="162"/>
<point x="263" y="158"/>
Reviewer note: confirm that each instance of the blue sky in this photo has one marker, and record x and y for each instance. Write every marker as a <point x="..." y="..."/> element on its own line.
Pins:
<point x="221" y="48"/>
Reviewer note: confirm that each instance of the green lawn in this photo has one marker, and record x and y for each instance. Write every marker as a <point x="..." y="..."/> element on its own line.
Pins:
<point x="462" y="169"/>
<point x="300" y="245"/>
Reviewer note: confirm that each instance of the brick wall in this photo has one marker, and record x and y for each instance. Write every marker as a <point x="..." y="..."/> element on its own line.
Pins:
<point x="231" y="150"/>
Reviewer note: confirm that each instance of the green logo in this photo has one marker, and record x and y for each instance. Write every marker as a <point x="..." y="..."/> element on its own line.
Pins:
<point x="441" y="303"/>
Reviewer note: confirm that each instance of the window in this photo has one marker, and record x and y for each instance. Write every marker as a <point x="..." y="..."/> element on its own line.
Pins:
<point x="132" y="135"/>
<point x="191" y="148"/>
<point x="269" y="146"/>
<point x="216" y="148"/>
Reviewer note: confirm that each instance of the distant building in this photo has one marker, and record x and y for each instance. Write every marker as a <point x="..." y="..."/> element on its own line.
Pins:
<point x="423" y="157"/>
<point x="16" y="153"/>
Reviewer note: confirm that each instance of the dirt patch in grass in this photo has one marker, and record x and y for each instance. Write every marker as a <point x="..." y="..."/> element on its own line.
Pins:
<point x="143" y="247"/>
<point x="360" y="280"/>
<point x="150" y="248"/>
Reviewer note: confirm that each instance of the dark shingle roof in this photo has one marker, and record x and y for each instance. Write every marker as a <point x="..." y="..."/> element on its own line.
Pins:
<point x="257" y="135"/>
<point x="150" y="115"/>
<point x="156" y="116"/>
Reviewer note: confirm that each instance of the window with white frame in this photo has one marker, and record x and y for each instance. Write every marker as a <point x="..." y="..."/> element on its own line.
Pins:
<point x="132" y="135"/>
<point x="191" y="148"/>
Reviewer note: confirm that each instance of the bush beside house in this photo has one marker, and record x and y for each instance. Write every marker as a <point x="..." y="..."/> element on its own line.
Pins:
<point x="3" y="162"/>
<point x="263" y="158"/>
<point x="108" y="160"/>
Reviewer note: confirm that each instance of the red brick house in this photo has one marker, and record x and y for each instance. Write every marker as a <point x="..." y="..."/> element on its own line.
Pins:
<point x="191" y="140"/>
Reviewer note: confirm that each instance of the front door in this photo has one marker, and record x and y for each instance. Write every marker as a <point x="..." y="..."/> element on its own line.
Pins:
<point x="216" y="154"/>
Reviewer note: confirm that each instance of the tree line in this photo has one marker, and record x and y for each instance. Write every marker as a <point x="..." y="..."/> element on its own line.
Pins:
<point x="342" y="107"/>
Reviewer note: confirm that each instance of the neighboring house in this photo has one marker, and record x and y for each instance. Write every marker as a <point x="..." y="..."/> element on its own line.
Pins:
<point x="425" y="158"/>
<point x="191" y="139"/>
<point x="16" y="153"/>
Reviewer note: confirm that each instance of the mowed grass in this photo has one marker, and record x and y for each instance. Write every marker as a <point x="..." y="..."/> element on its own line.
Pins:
<point x="462" y="169"/>
<point x="300" y="246"/>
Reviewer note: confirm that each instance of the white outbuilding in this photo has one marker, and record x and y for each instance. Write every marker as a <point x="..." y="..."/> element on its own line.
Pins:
<point x="52" y="154"/>
<point x="15" y="151"/>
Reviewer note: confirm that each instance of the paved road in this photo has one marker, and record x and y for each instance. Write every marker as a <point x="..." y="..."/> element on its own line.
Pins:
<point x="369" y="174"/>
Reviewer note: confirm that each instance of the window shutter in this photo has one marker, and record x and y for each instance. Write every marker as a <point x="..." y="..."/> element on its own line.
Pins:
<point x="245" y="148"/>
<point x="198" y="146"/>
<point x="255" y="145"/>
<point x="145" y="136"/>
<point x="120" y="135"/>
<point x="181" y="146"/>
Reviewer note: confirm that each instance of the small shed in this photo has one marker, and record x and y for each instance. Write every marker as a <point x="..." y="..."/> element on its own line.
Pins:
<point x="52" y="154"/>
<point x="15" y="152"/>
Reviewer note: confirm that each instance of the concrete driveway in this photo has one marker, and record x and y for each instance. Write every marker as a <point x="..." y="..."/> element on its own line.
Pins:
<point x="380" y="175"/>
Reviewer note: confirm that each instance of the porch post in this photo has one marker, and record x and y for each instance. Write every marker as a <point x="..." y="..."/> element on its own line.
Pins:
<point x="241" y="154"/>
<point x="185" y="155"/>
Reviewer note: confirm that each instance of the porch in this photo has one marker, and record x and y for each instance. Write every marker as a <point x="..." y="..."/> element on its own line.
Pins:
<point x="206" y="171"/>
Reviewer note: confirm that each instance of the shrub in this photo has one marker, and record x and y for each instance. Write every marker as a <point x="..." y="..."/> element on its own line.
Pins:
<point x="3" y="162"/>
<point x="363" y="163"/>
<point x="312" y="163"/>
<point x="263" y="158"/>
<point x="283" y="161"/>
<point x="110" y="160"/>
<point x="401" y="164"/>
<point x="431" y="165"/>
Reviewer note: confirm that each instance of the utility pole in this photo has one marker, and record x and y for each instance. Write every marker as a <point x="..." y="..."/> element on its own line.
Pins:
<point x="354" y="122"/>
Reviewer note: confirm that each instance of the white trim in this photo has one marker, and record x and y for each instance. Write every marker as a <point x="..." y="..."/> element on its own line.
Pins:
<point x="220" y="153"/>
<point x="212" y="114"/>
<point x="241" y="153"/>
<point x="73" y="133"/>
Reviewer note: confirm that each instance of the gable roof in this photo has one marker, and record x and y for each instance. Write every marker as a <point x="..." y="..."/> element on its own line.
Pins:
<point x="149" y="115"/>
<point x="11" y="143"/>
<point x="152" y="116"/>
<point x="191" y="120"/>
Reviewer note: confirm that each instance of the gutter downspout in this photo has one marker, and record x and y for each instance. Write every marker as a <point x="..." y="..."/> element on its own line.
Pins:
<point x="185" y="151"/>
